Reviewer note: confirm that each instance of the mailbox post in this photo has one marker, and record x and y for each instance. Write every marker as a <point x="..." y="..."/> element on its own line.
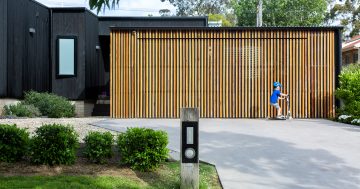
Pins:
<point x="189" y="148"/>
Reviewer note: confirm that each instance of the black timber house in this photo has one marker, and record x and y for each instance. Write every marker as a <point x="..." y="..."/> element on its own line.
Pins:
<point x="34" y="38"/>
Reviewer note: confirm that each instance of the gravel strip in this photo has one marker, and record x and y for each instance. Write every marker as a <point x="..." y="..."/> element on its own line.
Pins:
<point x="81" y="125"/>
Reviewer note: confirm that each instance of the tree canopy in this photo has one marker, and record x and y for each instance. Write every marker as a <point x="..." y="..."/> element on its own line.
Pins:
<point x="165" y="12"/>
<point x="275" y="12"/>
<point x="102" y="4"/>
<point x="218" y="17"/>
<point x="198" y="7"/>
<point x="281" y="12"/>
<point x="349" y="16"/>
<point x="216" y="10"/>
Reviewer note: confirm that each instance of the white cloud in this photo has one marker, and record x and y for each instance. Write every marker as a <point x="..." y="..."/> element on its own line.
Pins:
<point x="125" y="8"/>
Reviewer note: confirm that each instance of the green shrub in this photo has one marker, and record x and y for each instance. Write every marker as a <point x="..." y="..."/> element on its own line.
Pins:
<point x="98" y="146"/>
<point x="13" y="143"/>
<point x="143" y="149"/>
<point x="54" y="144"/>
<point x="355" y="121"/>
<point x="50" y="105"/>
<point x="21" y="110"/>
<point x="345" y="119"/>
<point x="349" y="90"/>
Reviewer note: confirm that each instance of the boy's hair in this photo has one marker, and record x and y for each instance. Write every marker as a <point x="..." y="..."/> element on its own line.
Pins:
<point x="276" y="87"/>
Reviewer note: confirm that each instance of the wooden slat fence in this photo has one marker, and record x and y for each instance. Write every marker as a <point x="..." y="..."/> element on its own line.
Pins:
<point x="226" y="73"/>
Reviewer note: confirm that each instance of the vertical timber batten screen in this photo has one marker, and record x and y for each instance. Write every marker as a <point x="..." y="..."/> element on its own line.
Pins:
<point x="226" y="73"/>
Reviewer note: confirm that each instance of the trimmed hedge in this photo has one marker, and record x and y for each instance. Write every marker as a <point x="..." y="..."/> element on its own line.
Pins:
<point x="98" y="146"/>
<point x="54" y="144"/>
<point x="143" y="149"/>
<point x="13" y="143"/>
<point x="21" y="110"/>
<point x="50" y="105"/>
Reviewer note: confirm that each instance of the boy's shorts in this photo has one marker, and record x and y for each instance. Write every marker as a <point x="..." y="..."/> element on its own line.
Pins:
<point x="276" y="105"/>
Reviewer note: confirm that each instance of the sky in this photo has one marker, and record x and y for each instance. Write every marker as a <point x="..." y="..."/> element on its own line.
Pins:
<point x="125" y="8"/>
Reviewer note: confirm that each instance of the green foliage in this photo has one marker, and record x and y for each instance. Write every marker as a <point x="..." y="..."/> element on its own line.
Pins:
<point x="71" y="182"/>
<point x="98" y="146"/>
<point x="22" y="110"/>
<point x="199" y="7"/>
<point x="13" y="143"/>
<point x="36" y="104"/>
<point x="102" y="4"/>
<point x="167" y="176"/>
<point x="143" y="149"/>
<point x="218" y="17"/>
<point x="281" y="12"/>
<point x="165" y="12"/>
<point x="54" y="144"/>
<point x="348" y="14"/>
<point x="50" y="105"/>
<point x="355" y="121"/>
<point x="349" y="90"/>
<point x="345" y="119"/>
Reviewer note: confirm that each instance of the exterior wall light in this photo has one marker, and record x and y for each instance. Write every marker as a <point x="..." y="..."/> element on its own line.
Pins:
<point x="32" y="30"/>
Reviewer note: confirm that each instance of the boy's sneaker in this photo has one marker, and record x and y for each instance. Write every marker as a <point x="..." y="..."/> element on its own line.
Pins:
<point x="280" y="117"/>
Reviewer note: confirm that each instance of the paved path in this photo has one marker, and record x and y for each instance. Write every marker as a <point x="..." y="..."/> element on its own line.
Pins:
<point x="263" y="154"/>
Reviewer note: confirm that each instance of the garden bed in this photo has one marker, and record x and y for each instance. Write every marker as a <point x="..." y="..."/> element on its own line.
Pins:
<point x="84" y="174"/>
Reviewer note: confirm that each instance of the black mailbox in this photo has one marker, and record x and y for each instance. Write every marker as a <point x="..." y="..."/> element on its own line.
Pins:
<point x="190" y="141"/>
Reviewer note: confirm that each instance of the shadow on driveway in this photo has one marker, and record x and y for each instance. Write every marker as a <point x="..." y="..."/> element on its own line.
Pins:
<point x="257" y="162"/>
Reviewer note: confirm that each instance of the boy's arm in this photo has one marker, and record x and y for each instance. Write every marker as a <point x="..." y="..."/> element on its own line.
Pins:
<point x="282" y="95"/>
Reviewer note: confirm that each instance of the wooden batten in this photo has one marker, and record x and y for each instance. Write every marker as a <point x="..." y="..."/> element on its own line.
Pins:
<point x="226" y="73"/>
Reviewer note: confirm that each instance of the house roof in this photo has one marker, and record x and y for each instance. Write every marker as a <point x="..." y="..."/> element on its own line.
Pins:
<point x="353" y="43"/>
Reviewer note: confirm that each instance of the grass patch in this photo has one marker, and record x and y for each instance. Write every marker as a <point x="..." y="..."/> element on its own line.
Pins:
<point x="167" y="176"/>
<point x="64" y="182"/>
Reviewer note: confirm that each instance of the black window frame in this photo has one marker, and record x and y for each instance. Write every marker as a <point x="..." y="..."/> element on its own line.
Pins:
<point x="58" y="75"/>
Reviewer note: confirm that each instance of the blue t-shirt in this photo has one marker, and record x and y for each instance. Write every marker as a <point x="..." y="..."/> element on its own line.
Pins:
<point x="274" y="97"/>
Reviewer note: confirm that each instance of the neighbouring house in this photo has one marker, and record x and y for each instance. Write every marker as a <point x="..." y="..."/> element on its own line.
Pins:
<point x="65" y="51"/>
<point x="351" y="51"/>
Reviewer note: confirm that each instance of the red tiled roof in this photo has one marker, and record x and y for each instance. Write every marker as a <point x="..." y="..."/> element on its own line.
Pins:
<point x="353" y="42"/>
<point x="356" y="37"/>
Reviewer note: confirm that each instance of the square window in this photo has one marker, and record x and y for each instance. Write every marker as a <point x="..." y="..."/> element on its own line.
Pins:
<point x="66" y="56"/>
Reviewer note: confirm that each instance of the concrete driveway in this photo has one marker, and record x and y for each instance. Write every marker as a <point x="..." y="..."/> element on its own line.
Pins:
<point x="263" y="154"/>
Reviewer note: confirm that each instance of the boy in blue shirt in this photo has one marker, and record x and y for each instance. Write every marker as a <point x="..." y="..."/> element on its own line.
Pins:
<point x="275" y="96"/>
